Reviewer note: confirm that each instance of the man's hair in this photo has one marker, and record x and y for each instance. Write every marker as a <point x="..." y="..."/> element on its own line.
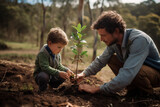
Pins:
<point x="110" y="20"/>
<point x="57" y="35"/>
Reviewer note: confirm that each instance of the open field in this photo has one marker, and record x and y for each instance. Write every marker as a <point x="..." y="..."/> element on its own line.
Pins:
<point x="25" y="52"/>
<point x="17" y="86"/>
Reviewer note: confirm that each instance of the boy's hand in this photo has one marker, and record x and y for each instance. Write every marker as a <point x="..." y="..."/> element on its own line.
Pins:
<point x="64" y="75"/>
<point x="70" y="73"/>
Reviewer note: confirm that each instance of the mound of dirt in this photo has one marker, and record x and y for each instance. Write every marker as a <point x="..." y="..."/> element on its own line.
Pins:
<point x="18" y="89"/>
<point x="3" y="46"/>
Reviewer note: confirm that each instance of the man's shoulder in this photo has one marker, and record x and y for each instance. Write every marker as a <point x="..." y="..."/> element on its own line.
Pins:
<point x="138" y="34"/>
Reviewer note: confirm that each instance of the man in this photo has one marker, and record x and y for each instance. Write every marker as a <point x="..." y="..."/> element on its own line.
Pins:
<point x="131" y="54"/>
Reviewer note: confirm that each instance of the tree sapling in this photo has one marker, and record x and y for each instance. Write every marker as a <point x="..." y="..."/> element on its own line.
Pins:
<point x="78" y="42"/>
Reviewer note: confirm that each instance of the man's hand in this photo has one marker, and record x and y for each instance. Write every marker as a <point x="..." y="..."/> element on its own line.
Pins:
<point x="80" y="77"/>
<point x="89" y="88"/>
<point x="63" y="75"/>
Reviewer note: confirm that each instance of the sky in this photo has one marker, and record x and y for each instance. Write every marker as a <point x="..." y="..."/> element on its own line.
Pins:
<point x="130" y="1"/>
<point x="126" y="1"/>
<point x="47" y="2"/>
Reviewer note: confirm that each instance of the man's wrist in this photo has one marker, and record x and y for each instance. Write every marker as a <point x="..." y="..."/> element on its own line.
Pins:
<point x="97" y="89"/>
<point x="83" y="74"/>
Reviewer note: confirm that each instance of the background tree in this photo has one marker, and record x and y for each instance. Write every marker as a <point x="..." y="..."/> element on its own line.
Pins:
<point x="81" y="12"/>
<point x="21" y="21"/>
<point x="65" y="11"/>
<point x="43" y="26"/>
<point x="151" y="21"/>
<point x="95" y="32"/>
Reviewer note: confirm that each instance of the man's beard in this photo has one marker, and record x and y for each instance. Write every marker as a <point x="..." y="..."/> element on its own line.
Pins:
<point x="113" y="42"/>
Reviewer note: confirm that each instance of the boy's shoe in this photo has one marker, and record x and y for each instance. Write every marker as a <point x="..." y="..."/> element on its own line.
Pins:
<point x="39" y="92"/>
<point x="50" y="88"/>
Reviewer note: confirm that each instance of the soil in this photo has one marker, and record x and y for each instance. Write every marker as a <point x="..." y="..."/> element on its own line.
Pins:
<point x="18" y="89"/>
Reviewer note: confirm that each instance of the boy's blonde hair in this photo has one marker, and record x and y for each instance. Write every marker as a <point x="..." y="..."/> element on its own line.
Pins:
<point x="57" y="35"/>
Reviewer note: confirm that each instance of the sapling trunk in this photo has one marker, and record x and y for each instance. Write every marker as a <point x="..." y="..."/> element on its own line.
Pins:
<point x="77" y="62"/>
<point x="76" y="70"/>
<point x="79" y="43"/>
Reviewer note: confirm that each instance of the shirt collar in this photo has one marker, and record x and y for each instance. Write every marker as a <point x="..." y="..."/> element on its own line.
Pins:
<point x="49" y="51"/>
<point x="124" y="42"/>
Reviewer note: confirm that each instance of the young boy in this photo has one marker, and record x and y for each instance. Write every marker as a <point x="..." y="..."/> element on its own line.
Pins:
<point x="48" y="67"/>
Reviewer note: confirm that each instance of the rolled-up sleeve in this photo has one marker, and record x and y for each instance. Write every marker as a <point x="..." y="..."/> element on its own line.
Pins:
<point x="138" y="52"/>
<point x="99" y="62"/>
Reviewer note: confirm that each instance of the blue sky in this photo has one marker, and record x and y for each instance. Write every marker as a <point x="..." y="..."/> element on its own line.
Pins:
<point x="47" y="2"/>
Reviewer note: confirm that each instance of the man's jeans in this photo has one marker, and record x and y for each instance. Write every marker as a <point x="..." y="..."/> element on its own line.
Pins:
<point x="146" y="79"/>
<point x="42" y="79"/>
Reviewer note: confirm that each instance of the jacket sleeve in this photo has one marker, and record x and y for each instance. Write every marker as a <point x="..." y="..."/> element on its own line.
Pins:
<point x="99" y="62"/>
<point x="60" y="66"/>
<point x="44" y="65"/>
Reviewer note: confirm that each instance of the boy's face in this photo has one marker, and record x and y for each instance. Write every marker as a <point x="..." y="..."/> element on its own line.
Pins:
<point x="55" y="47"/>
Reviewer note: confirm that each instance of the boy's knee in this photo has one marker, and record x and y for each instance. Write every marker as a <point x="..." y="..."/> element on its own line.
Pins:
<point x="42" y="80"/>
<point x="54" y="83"/>
<point x="42" y="77"/>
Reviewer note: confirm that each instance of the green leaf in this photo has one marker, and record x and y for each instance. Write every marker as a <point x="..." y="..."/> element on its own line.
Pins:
<point x="79" y="36"/>
<point x="75" y="27"/>
<point x="83" y="53"/>
<point x="74" y="36"/>
<point x="79" y="27"/>
<point x="83" y="28"/>
<point x="75" y="51"/>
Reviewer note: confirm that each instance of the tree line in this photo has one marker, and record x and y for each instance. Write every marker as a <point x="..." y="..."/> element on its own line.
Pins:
<point x="21" y="21"/>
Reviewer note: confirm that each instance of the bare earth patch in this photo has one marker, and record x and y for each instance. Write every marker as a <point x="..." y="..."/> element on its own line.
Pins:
<point x="18" y="89"/>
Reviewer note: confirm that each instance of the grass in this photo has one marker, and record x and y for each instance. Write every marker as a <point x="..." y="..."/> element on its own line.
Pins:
<point x="22" y="53"/>
<point x="24" y="46"/>
<point x="27" y="58"/>
<point x="20" y="46"/>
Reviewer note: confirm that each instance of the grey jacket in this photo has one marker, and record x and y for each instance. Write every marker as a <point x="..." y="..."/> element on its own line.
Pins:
<point x="135" y="50"/>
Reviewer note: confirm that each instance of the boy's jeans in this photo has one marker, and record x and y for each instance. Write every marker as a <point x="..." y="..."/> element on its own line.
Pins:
<point x="42" y="79"/>
<point x="146" y="79"/>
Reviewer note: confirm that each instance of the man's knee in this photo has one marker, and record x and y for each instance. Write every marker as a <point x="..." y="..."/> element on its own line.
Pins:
<point x="142" y="81"/>
<point x="112" y="60"/>
<point x="115" y="64"/>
